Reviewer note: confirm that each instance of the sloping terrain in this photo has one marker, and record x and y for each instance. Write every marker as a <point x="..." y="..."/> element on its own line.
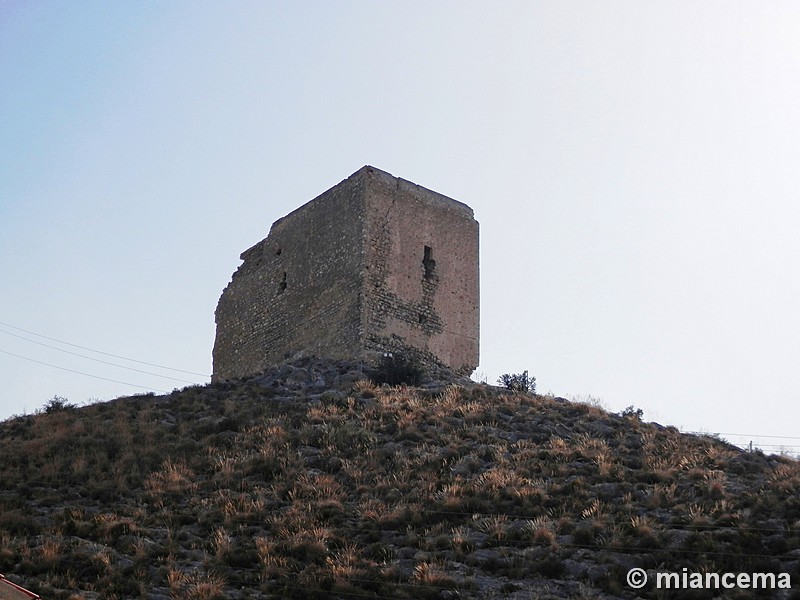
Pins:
<point x="312" y="482"/>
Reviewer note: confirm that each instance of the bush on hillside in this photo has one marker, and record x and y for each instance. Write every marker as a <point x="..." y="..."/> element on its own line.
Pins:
<point x="632" y="412"/>
<point x="518" y="382"/>
<point x="58" y="404"/>
<point x="398" y="368"/>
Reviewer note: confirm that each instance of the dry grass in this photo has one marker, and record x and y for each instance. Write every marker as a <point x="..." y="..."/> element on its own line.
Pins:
<point x="174" y="478"/>
<point x="368" y="491"/>
<point x="433" y="574"/>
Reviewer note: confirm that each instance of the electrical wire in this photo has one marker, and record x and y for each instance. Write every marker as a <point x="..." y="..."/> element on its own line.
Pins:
<point x="142" y="362"/>
<point x="144" y="387"/>
<point x="105" y="362"/>
<point x="473" y="516"/>
<point x="753" y="435"/>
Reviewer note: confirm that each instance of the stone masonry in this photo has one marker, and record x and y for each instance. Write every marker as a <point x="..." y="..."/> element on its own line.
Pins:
<point x="374" y="265"/>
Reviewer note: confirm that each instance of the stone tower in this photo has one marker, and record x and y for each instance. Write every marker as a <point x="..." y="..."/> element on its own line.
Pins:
<point x="376" y="264"/>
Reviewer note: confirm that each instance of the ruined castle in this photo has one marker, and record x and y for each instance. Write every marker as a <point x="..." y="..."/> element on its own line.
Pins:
<point x="374" y="265"/>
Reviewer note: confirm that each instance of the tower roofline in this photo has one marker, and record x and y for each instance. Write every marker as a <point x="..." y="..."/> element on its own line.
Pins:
<point x="368" y="171"/>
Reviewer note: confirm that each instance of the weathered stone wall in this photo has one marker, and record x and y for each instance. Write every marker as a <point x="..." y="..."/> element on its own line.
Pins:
<point x="422" y="274"/>
<point x="298" y="292"/>
<point x="375" y="264"/>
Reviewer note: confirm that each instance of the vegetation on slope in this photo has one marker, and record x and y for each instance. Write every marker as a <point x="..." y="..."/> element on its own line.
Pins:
<point x="311" y="483"/>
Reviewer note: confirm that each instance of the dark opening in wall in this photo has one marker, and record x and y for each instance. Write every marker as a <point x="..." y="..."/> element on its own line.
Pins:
<point x="282" y="284"/>
<point x="428" y="262"/>
<point x="278" y="252"/>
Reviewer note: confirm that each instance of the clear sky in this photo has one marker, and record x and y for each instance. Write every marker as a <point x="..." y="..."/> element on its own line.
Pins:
<point x="633" y="166"/>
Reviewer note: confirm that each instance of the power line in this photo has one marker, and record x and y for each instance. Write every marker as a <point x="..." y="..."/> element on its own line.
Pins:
<point x="699" y="433"/>
<point x="754" y="435"/>
<point x="82" y="373"/>
<point x="105" y="362"/>
<point x="101" y="352"/>
<point x="750" y="445"/>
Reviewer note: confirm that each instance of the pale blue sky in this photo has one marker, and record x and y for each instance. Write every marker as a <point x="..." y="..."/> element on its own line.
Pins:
<point x="632" y="165"/>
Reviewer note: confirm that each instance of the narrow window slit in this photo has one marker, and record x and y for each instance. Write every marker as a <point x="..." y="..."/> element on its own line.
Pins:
<point x="428" y="262"/>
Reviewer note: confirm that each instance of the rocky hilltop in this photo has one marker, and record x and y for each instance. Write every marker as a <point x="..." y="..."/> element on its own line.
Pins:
<point x="312" y="481"/>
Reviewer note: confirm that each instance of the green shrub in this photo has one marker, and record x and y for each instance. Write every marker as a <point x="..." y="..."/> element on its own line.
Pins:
<point x="398" y="368"/>
<point x="518" y="382"/>
<point x="58" y="404"/>
<point x="632" y="413"/>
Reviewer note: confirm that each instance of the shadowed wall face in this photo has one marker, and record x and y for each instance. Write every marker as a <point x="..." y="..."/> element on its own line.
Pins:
<point x="375" y="264"/>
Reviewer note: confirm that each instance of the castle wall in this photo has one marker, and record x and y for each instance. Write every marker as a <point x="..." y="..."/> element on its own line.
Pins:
<point x="376" y="264"/>
<point x="422" y="274"/>
<point x="298" y="292"/>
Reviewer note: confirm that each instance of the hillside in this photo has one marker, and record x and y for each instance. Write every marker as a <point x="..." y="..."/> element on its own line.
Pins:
<point x="312" y="482"/>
